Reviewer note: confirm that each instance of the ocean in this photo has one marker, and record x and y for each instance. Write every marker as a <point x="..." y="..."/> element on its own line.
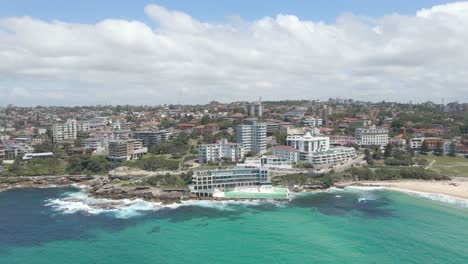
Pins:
<point x="356" y="225"/>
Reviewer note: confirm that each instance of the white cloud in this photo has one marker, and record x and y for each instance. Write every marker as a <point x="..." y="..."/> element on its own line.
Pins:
<point x="394" y="57"/>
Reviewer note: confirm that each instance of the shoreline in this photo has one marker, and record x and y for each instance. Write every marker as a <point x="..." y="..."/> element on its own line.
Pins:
<point x="456" y="188"/>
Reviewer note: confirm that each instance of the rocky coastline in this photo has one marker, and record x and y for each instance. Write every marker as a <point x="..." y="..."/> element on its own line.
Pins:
<point x="111" y="187"/>
<point x="104" y="187"/>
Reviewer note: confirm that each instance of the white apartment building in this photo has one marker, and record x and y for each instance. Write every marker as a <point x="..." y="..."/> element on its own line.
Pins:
<point x="332" y="157"/>
<point x="314" y="150"/>
<point x="308" y="143"/>
<point x="252" y="136"/>
<point x="371" y="136"/>
<point x="82" y="126"/>
<point x="64" y="131"/>
<point x="222" y="149"/>
<point x="2" y="154"/>
<point x="416" y="143"/>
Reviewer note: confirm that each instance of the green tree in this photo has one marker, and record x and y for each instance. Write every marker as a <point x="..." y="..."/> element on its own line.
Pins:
<point x="424" y="147"/>
<point x="368" y="157"/>
<point x="280" y="137"/>
<point x="388" y="150"/>
<point x="439" y="148"/>
<point x="452" y="149"/>
<point x="44" y="147"/>
<point x="205" y="120"/>
<point x="397" y="124"/>
<point x="74" y="165"/>
<point x="77" y="142"/>
<point x="377" y="153"/>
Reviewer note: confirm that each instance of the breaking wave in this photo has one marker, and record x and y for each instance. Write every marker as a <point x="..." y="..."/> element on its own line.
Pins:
<point x="368" y="193"/>
<point x="81" y="202"/>
<point x="364" y="193"/>
<point x="435" y="197"/>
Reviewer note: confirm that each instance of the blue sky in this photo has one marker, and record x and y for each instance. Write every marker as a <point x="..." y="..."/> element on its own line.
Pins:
<point x="92" y="11"/>
<point x="160" y="52"/>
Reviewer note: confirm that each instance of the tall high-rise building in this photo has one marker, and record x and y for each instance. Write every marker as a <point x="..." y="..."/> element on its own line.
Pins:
<point x="64" y="131"/>
<point x="254" y="109"/>
<point x="252" y="136"/>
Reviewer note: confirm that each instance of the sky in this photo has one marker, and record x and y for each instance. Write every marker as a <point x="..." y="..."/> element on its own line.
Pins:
<point x="179" y="51"/>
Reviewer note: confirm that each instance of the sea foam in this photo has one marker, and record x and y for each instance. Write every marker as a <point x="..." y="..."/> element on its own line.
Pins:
<point x="435" y="197"/>
<point x="368" y="193"/>
<point x="81" y="202"/>
<point x="365" y="193"/>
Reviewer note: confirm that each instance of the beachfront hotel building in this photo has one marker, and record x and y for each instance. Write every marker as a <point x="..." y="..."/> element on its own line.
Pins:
<point x="64" y="131"/>
<point x="371" y="136"/>
<point x="123" y="150"/>
<point x="205" y="182"/>
<point x="222" y="149"/>
<point x="252" y="136"/>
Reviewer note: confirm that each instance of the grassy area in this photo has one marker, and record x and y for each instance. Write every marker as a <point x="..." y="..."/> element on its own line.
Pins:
<point x="154" y="163"/>
<point x="450" y="166"/>
<point x="168" y="181"/>
<point x="150" y="155"/>
<point x="10" y="179"/>
<point x="192" y="142"/>
<point x="302" y="179"/>
<point x="203" y="167"/>
<point x="36" y="168"/>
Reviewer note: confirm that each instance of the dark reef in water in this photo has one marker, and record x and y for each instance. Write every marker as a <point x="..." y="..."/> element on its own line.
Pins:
<point x="331" y="204"/>
<point x="26" y="221"/>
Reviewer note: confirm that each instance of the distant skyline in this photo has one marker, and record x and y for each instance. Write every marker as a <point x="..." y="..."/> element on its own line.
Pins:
<point x="164" y="52"/>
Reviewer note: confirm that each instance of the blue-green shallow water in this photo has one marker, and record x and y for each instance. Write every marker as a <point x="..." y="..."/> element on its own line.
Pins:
<point x="337" y="227"/>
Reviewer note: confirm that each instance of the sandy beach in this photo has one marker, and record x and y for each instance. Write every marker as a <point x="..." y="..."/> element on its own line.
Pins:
<point x="457" y="187"/>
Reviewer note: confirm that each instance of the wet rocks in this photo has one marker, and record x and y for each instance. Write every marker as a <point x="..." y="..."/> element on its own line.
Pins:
<point x="116" y="192"/>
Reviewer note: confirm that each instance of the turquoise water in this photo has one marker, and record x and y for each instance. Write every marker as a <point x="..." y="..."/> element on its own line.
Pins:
<point x="352" y="226"/>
